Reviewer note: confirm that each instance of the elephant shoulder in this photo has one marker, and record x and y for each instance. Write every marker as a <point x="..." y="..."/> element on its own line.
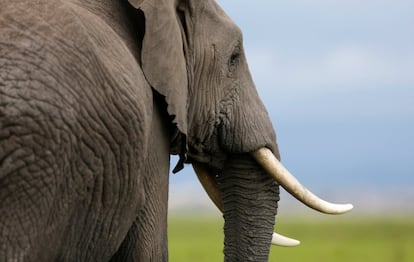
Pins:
<point x="67" y="65"/>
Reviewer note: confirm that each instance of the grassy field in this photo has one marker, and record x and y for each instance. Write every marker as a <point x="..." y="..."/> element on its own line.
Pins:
<point x="351" y="239"/>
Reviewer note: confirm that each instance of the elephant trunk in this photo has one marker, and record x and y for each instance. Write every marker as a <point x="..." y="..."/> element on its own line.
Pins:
<point x="249" y="208"/>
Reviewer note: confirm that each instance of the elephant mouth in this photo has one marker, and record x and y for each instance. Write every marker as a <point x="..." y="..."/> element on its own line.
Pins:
<point x="273" y="167"/>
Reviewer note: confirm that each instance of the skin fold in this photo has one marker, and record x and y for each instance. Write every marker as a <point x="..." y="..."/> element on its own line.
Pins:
<point x="94" y="97"/>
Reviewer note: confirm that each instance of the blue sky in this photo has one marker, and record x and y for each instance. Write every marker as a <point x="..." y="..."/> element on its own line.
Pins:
<point x="337" y="78"/>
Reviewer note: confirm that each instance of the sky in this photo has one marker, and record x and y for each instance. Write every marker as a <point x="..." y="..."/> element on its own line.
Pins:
<point x="337" y="78"/>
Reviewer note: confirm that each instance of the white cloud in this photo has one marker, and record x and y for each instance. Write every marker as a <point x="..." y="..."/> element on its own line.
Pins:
<point x="366" y="66"/>
<point x="344" y="66"/>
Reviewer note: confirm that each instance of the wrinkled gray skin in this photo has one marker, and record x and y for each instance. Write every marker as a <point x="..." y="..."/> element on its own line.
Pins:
<point x="93" y="99"/>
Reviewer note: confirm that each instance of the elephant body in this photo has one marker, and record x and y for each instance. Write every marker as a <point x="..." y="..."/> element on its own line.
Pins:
<point x="95" y="96"/>
<point x="77" y="118"/>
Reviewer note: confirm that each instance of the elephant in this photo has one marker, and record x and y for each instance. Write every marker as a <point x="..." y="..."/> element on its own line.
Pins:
<point x="95" y="96"/>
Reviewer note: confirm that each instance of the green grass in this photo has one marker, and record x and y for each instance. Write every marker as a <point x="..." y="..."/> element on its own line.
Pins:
<point x="331" y="239"/>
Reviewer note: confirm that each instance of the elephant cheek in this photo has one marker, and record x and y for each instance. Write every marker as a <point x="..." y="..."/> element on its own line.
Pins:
<point x="250" y="204"/>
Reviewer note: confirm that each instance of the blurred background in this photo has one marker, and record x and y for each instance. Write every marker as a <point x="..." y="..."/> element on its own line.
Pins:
<point x="337" y="78"/>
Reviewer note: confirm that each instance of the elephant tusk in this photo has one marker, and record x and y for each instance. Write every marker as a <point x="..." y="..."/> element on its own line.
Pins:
<point x="280" y="240"/>
<point x="275" y="169"/>
<point x="209" y="184"/>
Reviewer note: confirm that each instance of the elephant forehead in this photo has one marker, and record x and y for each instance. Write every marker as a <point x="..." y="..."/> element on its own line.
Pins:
<point x="214" y="27"/>
<point x="214" y="23"/>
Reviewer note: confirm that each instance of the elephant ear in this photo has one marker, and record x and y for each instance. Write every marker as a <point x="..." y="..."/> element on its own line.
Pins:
<point x="162" y="56"/>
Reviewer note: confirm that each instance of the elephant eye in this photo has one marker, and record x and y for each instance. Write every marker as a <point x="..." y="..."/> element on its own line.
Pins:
<point x="234" y="59"/>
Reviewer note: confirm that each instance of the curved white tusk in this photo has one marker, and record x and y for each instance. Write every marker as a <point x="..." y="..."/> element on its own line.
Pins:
<point x="210" y="186"/>
<point x="283" y="241"/>
<point x="206" y="179"/>
<point x="275" y="169"/>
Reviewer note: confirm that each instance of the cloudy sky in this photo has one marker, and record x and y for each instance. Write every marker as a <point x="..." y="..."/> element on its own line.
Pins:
<point x="337" y="78"/>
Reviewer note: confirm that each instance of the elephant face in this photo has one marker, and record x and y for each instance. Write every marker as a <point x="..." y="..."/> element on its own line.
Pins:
<point x="192" y="54"/>
<point x="225" y="113"/>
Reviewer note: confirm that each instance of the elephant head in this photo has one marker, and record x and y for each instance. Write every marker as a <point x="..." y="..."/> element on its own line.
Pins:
<point x="192" y="54"/>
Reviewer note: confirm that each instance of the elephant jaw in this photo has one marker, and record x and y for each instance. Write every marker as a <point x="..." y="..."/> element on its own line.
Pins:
<point x="209" y="184"/>
<point x="280" y="174"/>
